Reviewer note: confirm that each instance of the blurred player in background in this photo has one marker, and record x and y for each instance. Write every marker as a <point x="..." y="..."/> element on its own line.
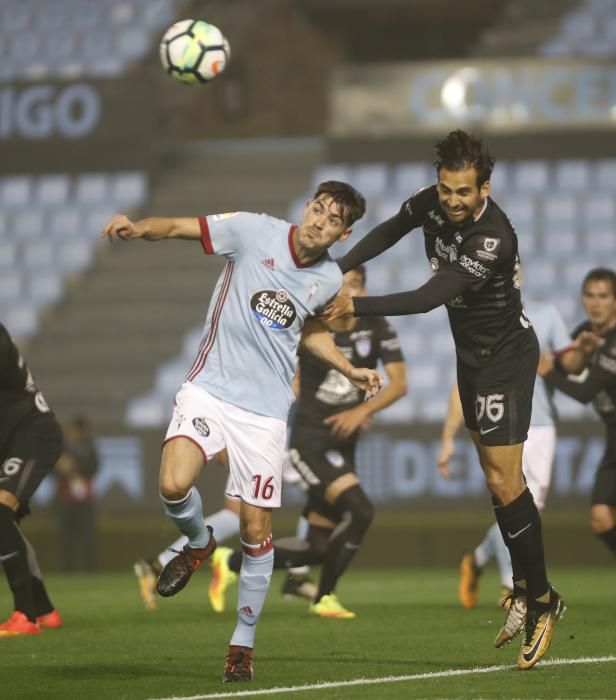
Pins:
<point x="537" y="458"/>
<point x="237" y="393"/>
<point x="328" y="418"/>
<point x="596" y="383"/>
<point x="473" y="250"/>
<point x="30" y="444"/>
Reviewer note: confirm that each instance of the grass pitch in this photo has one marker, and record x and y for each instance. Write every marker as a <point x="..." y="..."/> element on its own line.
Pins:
<point x="409" y="623"/>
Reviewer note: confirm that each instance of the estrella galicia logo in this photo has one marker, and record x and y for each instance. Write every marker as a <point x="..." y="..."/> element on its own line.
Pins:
<point x="201" y="426"/>
<point x="273" y="309"/>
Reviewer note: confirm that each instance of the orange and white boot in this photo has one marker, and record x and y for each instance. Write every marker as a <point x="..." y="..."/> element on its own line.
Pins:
<point x="18" y="624"/>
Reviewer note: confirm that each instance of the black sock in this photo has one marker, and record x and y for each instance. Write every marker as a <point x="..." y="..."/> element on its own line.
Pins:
<point x="516" y="565"/>
<point x="235" y="561"/>
<point x="15" y="562"/>
<point x="42" y="603"/>
<point x="356" y="513"/>
<point x="609" y="538"/>
<point x="520" y="524"/>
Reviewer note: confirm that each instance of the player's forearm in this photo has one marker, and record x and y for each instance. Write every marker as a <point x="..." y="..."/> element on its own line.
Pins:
<point x="584" y="392"/>
<point x="320" y="342"/>
<point x="572" y="361"/>
<point x="372" y="244"/>
<point x="157" y="228"/>
<point x="385" y="398"/>
<point x="455" y="416"/>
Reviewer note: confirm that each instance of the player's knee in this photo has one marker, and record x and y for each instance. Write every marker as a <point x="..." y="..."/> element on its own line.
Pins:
<point x="255" y="532"/>
<point x="357" y="508"/>
<point x="173" y="489"/>
<point x="601" y="519"/>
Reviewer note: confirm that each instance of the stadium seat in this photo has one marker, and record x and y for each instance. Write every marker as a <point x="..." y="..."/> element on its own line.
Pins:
<point x="52" y="190"/>
<point x="531" y="175"/>
<point x="10" y="286"/>
<point x="572" y="175"/>
<point x="8" y="254"/>
<point x="371" y="179"/>
<point x="75" y="254"/>
<point x="407" y="178"/>
<point x="128" y="189"/>
<point x="92" y="188"/>
<point x="22" y="320"/>
<point x="38" y="254"/>
<point x="44" y="287"/>
<point x="16" y="191"/>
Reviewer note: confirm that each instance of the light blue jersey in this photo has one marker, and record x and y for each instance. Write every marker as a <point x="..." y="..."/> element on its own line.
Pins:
<point x="553" y="336"/>
<point x="254" y="322"/>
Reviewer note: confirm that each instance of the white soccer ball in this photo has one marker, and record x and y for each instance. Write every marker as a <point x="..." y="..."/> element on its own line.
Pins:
<point x="193" y="51"/>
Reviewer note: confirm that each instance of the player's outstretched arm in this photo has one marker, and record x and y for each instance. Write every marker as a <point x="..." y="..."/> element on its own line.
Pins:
<point x="453" y="423"/>
<point x="152" y="229"/>
<point x="319" y="341"/>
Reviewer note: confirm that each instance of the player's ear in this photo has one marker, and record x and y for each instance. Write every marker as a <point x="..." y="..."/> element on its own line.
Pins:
<point x="345" y="234"/>
<point x="484" y="190"/>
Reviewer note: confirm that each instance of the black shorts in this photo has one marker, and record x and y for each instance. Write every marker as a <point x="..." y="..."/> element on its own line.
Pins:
<point x="604" y="488"/>
<point x="319" y="464"/>
<point x="497" y="398"/>
<point x="28" y="455"/>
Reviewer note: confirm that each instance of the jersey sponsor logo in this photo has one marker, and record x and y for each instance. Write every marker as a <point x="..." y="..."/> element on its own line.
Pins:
<point x="490" y="244"/>
<point x="270" y="263"/>
<point x="473" y="266"/>
<point x="201" y="426"/>
<point x="484" y="255"/>
<point x="226" y="215"/>
<point x="441" y="249"/>
<point x="335" y="458"/>
<point x="390" y="344"/>
<point x="273" y="309"/>
<point x="363" y="346"/>
<point x="436" y="218"/>
<point x="457" y="302"/>
<point x="607" y="363"/>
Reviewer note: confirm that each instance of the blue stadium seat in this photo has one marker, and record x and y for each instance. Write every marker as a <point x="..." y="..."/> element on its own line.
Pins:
<point x="22" y="320"/>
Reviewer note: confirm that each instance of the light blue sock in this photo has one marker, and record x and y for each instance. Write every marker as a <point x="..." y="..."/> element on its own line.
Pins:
<point x="187" y="514"/>
<point x="503" y="558"/>
<point x="255" y="576"/>
<point x="486" y="550"/>
<point x="225" y="524"/>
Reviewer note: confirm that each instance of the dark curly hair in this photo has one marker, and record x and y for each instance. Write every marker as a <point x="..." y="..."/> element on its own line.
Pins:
<point x="352" y="202"/>
<point x="600" y="274"/>
<point x="459" y="150"/>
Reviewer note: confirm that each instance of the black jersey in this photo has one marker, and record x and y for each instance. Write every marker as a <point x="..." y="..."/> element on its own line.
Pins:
<point x="597" y="383"/>
<point x="19" y="395"/>
<point x="475" y="265"/>
<point x="323" y="390"/>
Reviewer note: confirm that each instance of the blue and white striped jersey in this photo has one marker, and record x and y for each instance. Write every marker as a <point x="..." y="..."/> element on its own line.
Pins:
<point x="262" y="298"/>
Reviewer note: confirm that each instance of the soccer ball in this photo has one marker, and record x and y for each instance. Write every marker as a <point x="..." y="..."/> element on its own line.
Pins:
<point x="194" y="51"/>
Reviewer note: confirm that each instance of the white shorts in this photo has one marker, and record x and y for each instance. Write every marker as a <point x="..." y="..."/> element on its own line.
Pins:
<point x="255" y="443"/>
<point x="537" y="461"/>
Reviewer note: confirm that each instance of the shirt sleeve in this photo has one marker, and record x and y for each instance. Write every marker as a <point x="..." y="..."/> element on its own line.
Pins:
<point x="601" y="375"/>
<point x="388" y="233"/>
<point x="477" y="261"/>
<point x="389" y="344"/>
<point x="229" y="234"/>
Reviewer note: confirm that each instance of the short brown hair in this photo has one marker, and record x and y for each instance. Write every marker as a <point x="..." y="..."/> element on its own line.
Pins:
<point x="351" y="201"/>
<point x="600" y="274"/>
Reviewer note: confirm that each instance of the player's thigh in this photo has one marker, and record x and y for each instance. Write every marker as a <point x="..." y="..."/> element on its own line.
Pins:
<point x="194" y="436"/>
<point x="327" y="470"/>
<point x="537" y="461"/>
<point x="255" y="445"/>
<point x="29" y="456"/>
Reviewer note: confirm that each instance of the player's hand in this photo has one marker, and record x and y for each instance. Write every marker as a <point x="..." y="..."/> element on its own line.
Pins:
<point x="367" y="380"/>
<point x="546" y="364"/>
<point x="587" y="342"/>
<point x="345" y="423"/>
<point x="444" y="457"/>
<point x="341" y="307"/>
<point x="120" y="226"/>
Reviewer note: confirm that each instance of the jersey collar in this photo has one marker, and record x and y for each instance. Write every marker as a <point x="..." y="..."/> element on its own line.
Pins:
<point x="294" y="256"/>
